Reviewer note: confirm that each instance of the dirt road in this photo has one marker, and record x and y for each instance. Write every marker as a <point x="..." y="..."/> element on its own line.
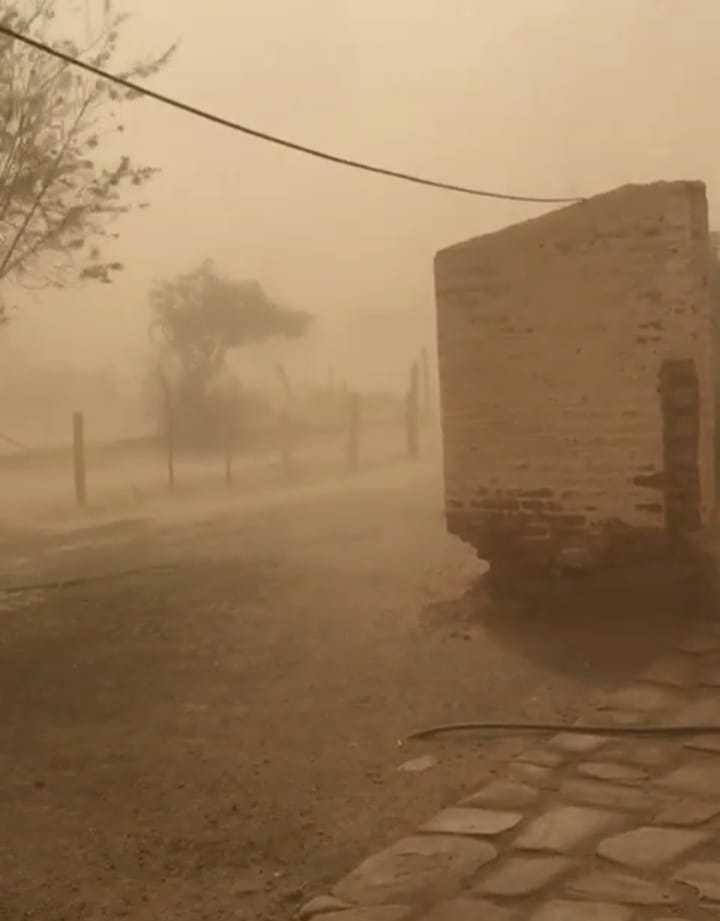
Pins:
<point x="218" y="740"/>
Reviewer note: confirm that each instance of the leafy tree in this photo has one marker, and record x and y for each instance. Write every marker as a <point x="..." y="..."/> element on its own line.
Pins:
<point x="200" y="316"/>
<point x="58" y="195"/>
<point x="197" y="319"/>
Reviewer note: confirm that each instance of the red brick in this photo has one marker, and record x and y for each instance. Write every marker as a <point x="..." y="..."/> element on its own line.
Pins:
<point x="546" y="417"/>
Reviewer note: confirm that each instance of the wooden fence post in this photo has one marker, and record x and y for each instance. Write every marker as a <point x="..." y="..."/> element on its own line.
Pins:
<point x="286" y="446"/>
<point x="229" y="442"/>
<point x="412" y="407"/>
<point x="169" y="431"/>
<point x="353" y="433"/>
<point x="427" y="394"/>
<point x="79" y="459"/>
<point x="284" y="382"/>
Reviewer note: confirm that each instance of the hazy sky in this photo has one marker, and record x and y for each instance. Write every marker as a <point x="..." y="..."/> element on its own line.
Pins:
<point x="547" y="97"/>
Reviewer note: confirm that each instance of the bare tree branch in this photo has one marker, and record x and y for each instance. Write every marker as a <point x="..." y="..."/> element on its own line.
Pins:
<point x="58" y="193"/>
<point x="6" y="264"/>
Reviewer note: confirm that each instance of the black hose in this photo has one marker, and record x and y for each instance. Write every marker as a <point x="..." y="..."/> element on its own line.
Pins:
<point x="575" y="729"/>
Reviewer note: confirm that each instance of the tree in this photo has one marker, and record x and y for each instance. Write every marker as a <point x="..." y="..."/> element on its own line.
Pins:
<point x="200" y="316"/>
<point x="58" y="195"/>
<point x="197" y="319"/>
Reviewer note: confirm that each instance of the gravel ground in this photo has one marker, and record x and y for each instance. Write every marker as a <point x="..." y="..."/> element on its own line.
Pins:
<point x="219" y="740"/>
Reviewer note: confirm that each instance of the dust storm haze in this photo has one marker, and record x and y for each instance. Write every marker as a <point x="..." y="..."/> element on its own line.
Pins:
<point x="228" y="591"/>
<point x="559" y="98"/>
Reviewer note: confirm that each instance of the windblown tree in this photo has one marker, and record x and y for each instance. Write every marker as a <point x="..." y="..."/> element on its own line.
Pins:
<point x="198" y="318"/>
<point x="59" y="191"/>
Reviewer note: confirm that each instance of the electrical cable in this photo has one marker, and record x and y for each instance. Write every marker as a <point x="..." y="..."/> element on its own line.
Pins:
<point x="264" y="136"/>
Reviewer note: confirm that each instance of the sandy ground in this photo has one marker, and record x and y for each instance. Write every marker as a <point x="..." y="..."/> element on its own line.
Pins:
<point x="219" y="740"/>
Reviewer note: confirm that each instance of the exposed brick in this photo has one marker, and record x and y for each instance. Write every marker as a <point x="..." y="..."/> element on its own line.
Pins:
<point x="543" y="416"/>
<point x="569" y="521"/>
<point x="498" y="504"/>
<point x="536" y="531"/>
<point x="653" y="508"/>
<point x="651" y="480"/>
<point x="532" y="493"/>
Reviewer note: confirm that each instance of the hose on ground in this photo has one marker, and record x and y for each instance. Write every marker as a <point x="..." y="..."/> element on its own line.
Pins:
<point x="575" y="729"/>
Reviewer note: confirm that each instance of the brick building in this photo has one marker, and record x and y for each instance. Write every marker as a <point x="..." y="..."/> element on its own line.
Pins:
<point x="576" y="376"/>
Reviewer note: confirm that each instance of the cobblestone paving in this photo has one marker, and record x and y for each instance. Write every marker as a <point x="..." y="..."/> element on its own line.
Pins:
<point x="582" y="828"/>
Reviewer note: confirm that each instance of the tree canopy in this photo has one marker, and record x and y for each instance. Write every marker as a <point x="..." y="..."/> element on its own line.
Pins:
<point x="201" y="315"/>
<point x="59" y="191"/>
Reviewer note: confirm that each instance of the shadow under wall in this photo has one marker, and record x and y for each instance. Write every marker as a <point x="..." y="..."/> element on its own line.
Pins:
<point x="602" y="628"/>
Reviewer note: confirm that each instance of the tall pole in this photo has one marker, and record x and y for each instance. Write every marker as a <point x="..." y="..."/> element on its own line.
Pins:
<point x="79" y="459"/>
<point x="169" y="430"/>
<point x="230" y="438"/>
<point x="412" y="406"/>
<point x="425" y="360"/>
<point x="353" y="443"/>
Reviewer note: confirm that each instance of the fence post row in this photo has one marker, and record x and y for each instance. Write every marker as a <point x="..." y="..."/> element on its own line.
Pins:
<point x="414" y="405"/>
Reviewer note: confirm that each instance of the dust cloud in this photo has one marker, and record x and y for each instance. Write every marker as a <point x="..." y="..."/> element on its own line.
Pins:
<point x="220" y="737"/>
<point x="519" y="98"/>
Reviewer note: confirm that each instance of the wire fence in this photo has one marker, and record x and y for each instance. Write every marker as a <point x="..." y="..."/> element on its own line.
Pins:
<point x="301" y="442"/>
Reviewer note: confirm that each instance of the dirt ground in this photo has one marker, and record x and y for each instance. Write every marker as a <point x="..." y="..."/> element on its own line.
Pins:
<point x="220" y="739"/>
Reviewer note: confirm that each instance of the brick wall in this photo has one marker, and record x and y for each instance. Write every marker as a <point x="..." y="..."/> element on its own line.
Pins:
<point x="568" y="347"/>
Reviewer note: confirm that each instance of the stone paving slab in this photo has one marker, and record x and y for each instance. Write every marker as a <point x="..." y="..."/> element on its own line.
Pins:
<point x="581" y="828"/>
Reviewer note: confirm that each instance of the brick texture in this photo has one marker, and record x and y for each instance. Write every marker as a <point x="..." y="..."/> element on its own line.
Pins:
<point x="575" y="365"/>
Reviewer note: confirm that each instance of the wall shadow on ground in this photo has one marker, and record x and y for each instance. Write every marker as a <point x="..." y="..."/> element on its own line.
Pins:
<point x="600" y="628"/>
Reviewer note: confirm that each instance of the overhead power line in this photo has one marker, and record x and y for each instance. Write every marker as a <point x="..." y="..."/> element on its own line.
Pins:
<point x="264" y="136"/>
